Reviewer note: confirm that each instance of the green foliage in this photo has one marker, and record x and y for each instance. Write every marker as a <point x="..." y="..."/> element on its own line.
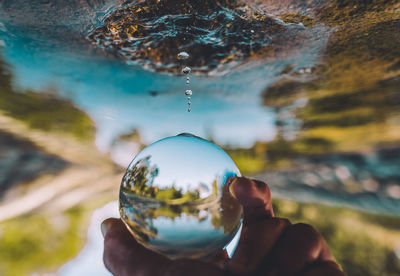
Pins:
<point x="43" y="111"/>
<point x="353" y="99"/>
<point x="357" y="240"/>
<point x="169" y="194"/>
<point x="249" y="161"/>
<point x="40" y="244"/>
<point x="139" y="181"/>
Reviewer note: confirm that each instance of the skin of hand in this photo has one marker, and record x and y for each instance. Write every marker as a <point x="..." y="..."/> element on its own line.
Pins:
<point x="268" y="246"/>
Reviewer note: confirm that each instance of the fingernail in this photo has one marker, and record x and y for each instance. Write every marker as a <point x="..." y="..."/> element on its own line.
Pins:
<point x="105" y="225"/>
<point x="233" y="181"/>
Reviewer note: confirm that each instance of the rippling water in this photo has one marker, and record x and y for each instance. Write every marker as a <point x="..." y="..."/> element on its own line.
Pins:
<point x="217" y="34"/>
<point x="303" y="95"/>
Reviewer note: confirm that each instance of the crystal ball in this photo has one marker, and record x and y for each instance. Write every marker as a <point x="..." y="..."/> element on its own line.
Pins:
<point x="175" y="198"/>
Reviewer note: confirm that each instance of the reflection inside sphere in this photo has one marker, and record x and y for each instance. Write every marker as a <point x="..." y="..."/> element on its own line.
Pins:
<point x="175" y="197"/>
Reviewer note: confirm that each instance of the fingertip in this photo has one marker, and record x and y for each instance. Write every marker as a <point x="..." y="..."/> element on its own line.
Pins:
<point x="250" y="192"/>
<point x="112" y="225"/>
<point x="254" y="196"/>
<point x="106" y="225"/>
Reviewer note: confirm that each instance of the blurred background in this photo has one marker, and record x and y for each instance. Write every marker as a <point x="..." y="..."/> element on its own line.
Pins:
<point x="304" y="95"/>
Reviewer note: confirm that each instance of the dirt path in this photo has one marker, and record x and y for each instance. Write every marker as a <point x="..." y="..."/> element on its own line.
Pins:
<point x="90" y="174"/>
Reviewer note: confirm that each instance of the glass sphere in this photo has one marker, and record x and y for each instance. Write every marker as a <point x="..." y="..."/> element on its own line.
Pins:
<point x="175" y="198"/>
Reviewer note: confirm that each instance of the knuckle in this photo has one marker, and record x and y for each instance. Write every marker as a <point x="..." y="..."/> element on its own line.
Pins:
<point x="279" y="224"/>
<point x="307" y="238"/>
<point x="283" y="222"/>
<point x="306" y="231"/>
<point x="260" y="185"/>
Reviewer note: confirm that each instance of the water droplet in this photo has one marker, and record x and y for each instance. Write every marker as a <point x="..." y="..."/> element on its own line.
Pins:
<point x="181" y="213"/>
<point x="188" y="98"/>
<point x="188" y="92"/>
<point x="189" y="109"/>
<point x="186" y="70"/>
<point x="306" y="70"/>
<point x="183" y="55"/>
<point x="252" y="31"/>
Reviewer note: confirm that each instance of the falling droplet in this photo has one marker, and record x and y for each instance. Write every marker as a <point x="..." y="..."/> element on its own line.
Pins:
<point x="183" y="55"/>
<point x="186" y="70"/>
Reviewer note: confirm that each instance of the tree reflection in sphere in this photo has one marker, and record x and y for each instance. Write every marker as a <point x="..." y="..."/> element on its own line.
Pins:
<point x="175" y="197"/>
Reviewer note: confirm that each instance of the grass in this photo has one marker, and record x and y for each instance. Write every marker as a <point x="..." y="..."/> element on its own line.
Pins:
<point x="38" y="243"/>
<point x="363" y="244"/>
<point x="43" y="111"/>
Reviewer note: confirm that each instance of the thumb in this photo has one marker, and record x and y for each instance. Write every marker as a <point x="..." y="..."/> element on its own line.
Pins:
<point x="260" y="229"/>
<point x="254" y="196"/>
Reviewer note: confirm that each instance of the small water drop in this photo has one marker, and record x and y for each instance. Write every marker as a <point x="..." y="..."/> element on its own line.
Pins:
<point x="188" y="98"/>
<point x="189" y="109"/>
<point x="188" y="92"/>
<point x="183" y="55"/>
<point x="187" y="81"/>
<point x="186" y="70"/>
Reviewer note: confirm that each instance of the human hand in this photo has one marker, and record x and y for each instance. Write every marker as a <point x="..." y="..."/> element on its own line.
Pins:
<point x="268" y="246"/>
